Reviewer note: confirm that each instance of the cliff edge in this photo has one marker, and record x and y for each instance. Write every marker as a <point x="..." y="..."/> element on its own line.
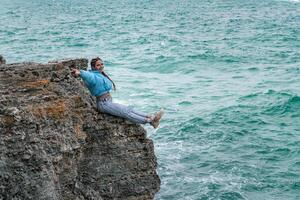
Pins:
<point x="55" y="145"/>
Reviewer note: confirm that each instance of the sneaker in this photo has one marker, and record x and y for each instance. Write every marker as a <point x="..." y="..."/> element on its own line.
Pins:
<point x="158" y="116"/>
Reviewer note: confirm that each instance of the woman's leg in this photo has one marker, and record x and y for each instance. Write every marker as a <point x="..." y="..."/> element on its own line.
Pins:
<point x="140" y="113"/>
<point x="124" y="112"/>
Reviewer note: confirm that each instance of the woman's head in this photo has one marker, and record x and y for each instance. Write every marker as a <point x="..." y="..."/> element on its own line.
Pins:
<point x="97" y="64"/>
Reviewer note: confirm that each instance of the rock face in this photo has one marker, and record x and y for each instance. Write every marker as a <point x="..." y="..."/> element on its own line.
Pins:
<point x="55" y="145"/>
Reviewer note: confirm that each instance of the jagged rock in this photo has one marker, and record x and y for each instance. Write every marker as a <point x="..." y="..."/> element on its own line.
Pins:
<point x="2" y="60"/>
<point x="55" y="145"/>
<point x="81" y="63"/>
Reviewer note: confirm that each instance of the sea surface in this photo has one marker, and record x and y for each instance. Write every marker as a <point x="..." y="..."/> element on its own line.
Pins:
<point x="227" y="73"/>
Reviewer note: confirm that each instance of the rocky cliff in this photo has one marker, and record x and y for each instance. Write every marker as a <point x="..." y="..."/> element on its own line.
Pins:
<point x="55" y="145"/>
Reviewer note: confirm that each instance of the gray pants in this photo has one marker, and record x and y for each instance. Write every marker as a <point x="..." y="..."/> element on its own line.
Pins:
<point x="107" y="106"/>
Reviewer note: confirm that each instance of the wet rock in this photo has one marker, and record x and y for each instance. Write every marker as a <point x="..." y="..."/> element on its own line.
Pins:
<point x="55" y="145"/>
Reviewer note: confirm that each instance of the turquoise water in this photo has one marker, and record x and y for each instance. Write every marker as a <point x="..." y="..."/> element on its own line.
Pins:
<point x="226" y="72"/>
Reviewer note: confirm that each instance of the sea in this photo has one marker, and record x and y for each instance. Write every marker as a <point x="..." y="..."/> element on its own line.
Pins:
<point x="226" y="72"/>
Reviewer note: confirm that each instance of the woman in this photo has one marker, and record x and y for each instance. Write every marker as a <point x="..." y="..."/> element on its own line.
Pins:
<point x="100" y="84"/>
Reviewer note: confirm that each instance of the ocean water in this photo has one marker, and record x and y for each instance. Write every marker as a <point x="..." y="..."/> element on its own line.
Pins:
<point x="227" y="73"/>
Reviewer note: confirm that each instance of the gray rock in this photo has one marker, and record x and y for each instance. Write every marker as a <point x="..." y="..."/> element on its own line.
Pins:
<point x="55" y="145"/>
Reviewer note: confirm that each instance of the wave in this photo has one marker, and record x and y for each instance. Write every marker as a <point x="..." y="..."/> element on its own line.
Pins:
<point x="284" y="104"/>
<point x="256" y="111"/>
<point x="194" y="124"/>
<point x="273" y="102"/>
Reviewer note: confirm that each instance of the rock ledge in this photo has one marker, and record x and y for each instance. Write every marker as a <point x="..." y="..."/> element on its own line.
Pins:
<point x="55" y="145"/>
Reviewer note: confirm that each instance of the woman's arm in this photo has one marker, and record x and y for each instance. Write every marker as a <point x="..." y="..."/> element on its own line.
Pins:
<point x="86" y="76"/>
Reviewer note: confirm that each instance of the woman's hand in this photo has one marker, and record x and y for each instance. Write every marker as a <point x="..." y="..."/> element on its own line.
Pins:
<point x="75" y="72"/>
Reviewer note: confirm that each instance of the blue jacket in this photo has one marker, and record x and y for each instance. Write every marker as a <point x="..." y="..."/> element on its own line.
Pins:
<point x="96" y="82"/>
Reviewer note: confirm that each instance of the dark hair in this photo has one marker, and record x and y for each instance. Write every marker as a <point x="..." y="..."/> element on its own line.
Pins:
<point x="93" y="63"/>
